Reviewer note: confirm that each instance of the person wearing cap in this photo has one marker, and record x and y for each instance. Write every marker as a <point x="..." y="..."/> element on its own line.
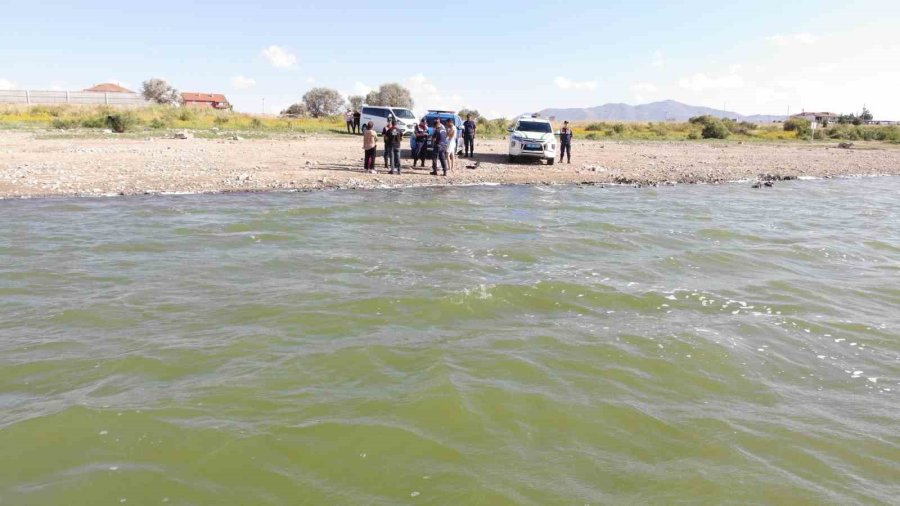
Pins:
<point x="349" y="117"/>
<point x="469" y="128"/>
<point x="421" y="142"/>
<point x="438" y="147"/>
<point x="565" y="142"/>
<point x="395" y="135"/>
<point x="370" y="144"/>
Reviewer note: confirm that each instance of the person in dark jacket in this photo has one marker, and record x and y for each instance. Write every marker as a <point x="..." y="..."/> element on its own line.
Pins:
<point x="356" y="118"/>
<point x="469" y="128"/>
<point x="439" y="144"/>
<point x="395" y="140"/>
<point x="421" y="133"/>
<point x="387" y="146"/>
<point x="565" y="142"/>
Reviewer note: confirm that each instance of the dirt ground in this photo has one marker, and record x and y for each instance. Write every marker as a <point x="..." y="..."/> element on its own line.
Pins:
<point x="32" y="165"/>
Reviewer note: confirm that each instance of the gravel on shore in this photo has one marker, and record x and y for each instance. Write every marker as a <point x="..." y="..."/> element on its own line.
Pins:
<point x="33" y="167"/>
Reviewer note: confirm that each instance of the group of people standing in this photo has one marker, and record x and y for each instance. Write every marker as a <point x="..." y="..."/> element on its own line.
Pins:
<point x="443" y="140"/>
<point x="352" y="118"/>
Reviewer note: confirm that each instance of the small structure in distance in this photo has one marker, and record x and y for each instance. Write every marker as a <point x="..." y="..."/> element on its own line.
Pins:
<point x="108" y="88"/>
<point x="819" y="118"/>
<point x="205" y="100"/>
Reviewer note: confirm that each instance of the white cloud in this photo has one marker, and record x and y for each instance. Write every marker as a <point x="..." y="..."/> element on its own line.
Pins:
<point x="568" y="84"/>
<point x="643" y="91"/>
<point x="280" y="57"/>
<point x="658" y="59"/>
<point x="362" y="88"/>
<point x="426" y="94"/>
<point x="310" y="79"/>
<point x="242" y="83"/>
<point x="701" y="82"/>
<point x="6" y="84"/>
<point x="801" y="38"/>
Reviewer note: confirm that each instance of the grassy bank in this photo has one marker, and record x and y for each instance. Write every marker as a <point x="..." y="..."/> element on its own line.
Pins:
<point x="157" y="118"/>
<point x="676" y="131"/>
<point x="78" y="121"/>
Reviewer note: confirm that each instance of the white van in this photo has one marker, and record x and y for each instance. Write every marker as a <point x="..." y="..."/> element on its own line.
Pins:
<point x="378" y="115"/>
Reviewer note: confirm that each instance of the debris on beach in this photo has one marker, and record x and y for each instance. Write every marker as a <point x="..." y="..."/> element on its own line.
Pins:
<point x="845" y="145"/>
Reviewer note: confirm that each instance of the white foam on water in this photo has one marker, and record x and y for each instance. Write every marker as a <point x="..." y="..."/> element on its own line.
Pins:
<point x="414" y="494"/>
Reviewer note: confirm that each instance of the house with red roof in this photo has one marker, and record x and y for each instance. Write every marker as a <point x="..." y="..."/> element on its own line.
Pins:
<point x="205" y="100"/>
<point x="108" y="88"/>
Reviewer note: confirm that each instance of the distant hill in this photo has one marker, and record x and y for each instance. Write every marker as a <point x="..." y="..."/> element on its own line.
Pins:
<point x="656" y="111"/>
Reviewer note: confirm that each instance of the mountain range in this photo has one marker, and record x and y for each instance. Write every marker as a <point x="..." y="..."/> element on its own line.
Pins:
<point x="656" y="111"/>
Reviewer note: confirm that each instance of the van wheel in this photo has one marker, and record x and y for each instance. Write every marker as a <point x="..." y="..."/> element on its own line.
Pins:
<point x="551" y="161"/>
<point x="511" y="159"/>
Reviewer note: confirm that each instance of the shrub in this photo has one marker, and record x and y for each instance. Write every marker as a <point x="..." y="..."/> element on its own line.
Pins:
<point x="595" y="127"/>
<point x="187" y="114"/>
<point x="619" y="128"/>
<point x="158" y="123"/>
<point x="256" y="124"/>
<point x="593" y="136"/>
<point x="221" y="120"/>
<point x="799" y="125"/>
<point x="65" y="124"/>
<point x="702" y="120"/>
<point x="694" y="135"/>
<point x="121" y="122"/>
<point x="715" y="129"/>
<point x="98" y="121"/>
<point x="740" y="128"/>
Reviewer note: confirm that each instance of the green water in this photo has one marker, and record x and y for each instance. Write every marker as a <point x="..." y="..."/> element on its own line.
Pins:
<point x="504" y="345"/>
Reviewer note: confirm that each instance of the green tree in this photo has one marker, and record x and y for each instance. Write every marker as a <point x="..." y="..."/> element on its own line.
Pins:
<point x="299" y="109"/>
<point x="322" y="102"/>
<point x="865" y="115"/>
<point x="356" y="102"/>
<point x="390" y="94"/>
<point x="159" y="91"/>
<point x="466" y="112"/>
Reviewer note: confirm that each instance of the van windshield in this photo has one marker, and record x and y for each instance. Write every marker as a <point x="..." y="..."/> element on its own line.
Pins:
<point x="404" y="114"/>
<point x="535" y="126"/>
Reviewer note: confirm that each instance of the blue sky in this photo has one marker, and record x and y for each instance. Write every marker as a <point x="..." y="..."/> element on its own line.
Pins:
<point x="502" y="58"/>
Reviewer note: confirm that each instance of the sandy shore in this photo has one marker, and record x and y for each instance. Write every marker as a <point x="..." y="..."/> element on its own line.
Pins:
<point x="32" y="166"/>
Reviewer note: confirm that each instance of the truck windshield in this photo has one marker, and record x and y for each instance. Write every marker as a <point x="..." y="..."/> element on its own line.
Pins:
<point x="535" y="126"/>
<point x="404" y="114"/>
<point x="434" y="119"/>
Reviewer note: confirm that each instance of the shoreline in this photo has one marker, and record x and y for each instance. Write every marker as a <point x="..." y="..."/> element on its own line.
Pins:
<point x="32" y="167"/>
<point x="263" y="191"/>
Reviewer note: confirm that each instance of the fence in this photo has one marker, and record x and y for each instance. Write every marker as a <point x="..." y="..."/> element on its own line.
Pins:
<point x="33" y="97"/>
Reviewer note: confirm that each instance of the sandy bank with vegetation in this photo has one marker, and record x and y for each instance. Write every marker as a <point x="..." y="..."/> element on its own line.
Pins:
<point x="35" y="163"/>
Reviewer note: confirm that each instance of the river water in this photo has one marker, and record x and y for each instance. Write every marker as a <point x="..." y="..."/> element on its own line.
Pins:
<point x="478" y="345"/>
